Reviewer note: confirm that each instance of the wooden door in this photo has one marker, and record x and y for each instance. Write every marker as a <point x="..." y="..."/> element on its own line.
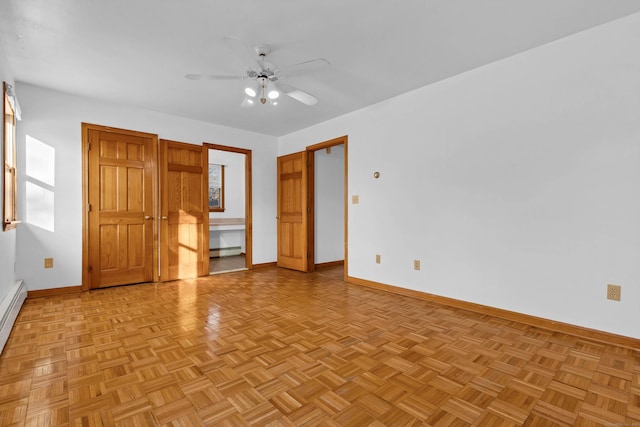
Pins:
<point x="292" y="211"/>
<point x="120" y="175"/>
<point x="184" y="230"/>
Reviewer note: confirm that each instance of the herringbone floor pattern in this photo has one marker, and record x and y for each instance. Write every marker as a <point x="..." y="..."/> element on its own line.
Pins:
<point x="276" y="347"/>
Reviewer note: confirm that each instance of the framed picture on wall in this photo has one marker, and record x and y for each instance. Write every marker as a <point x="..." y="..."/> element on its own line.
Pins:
<point x="216" y="188"/>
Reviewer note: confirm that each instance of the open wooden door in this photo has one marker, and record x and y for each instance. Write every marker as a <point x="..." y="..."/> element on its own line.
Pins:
<point x="120" y="206"/>
<point x="184" y="227"/>
<point x="292" y="212"/>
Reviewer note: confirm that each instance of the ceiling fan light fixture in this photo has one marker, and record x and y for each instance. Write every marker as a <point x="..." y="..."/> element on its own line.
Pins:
<point x="272" y="91"/>
<point x="250" y="91"/>
<point x="273" y="94"/>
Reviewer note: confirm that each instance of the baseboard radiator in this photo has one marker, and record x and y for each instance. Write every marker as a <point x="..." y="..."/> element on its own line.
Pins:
<point x="9" y="309"/>
<point x="222" y="252"/>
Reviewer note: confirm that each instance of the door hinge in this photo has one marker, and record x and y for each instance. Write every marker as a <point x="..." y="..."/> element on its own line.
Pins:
<point x="89" y="269"/>
<point x="88" y="207"/>
<point x="88" y="147"/>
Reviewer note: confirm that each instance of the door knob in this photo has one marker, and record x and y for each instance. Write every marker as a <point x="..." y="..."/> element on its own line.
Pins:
<point x="148" y="217"/>
<point x="164" y="217"/>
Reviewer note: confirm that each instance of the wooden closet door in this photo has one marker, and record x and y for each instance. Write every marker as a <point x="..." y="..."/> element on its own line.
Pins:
<point x="184" y="230"/>
<point x="121" y="206"/>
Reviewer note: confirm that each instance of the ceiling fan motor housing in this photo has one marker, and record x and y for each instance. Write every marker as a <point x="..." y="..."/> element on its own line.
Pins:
<point x="262" y="50"/>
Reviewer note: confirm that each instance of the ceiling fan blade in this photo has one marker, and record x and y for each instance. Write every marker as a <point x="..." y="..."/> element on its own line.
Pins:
<point x="211" y="77"/>
<point x="238" y="46"/>
<point x="297" y="94"/>
<point x="305" y="67"/>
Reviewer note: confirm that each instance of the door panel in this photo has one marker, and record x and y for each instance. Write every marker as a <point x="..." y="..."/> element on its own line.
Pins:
<point x="184" y="228"/>
<point x="292" y="211"/>
<point x="120" y="181"/>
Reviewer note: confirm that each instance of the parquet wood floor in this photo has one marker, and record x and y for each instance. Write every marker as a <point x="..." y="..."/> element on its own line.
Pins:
<point x="281" y="348"/>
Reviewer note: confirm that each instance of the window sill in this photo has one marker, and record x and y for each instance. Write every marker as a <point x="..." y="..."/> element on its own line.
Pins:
<point x="10" y="225"/>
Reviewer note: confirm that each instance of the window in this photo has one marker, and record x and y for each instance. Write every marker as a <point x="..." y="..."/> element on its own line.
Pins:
<point x="216" y="188"/>
<point x="9" y="212"/>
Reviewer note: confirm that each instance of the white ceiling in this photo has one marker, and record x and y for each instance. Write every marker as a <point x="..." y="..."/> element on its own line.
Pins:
<point x="137" y="52"/>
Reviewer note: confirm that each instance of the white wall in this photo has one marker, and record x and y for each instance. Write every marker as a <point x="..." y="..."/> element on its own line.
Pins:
<point x="516" y="184"/>
<point x="329" y="205"/>
<point x="55" y="118"/>
<point x="7" y="238"/>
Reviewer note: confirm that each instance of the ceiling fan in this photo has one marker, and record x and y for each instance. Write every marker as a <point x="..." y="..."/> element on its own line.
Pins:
<point x="265" y="78"/>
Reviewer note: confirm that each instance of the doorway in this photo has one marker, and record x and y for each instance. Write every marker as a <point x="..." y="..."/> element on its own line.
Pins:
<point x="299" y="229"/>
<point x="229" y="201"/>
<point x="328" y="209"/>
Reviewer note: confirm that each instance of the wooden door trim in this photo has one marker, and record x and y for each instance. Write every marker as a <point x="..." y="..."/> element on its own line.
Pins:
<point x="311" y="199"/>
<point x="86" y="128"/>
<point x="311" y="211"/>
<point x="248" y="207"/>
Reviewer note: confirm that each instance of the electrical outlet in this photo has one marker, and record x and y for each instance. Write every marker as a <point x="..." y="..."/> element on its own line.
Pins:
<point x="416" y="264"/>
<point x="613" y="292"/>
<point x="377" y="259"/>
<point x="48" y="263"/>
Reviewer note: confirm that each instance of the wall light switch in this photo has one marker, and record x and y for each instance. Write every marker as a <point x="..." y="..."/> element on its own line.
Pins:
<point x="355" y="199"/>
<point x="377" y="259"/>
<point x="48" y="263"/>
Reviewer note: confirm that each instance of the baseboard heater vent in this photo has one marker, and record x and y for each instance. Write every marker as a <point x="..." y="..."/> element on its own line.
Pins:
<point x="220" y="252"/>
<point x="9" y="309"/>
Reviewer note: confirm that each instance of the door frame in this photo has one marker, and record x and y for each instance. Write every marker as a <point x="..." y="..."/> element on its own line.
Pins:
<point x="311" y="248"/>
<point x="248" y="209"/>
<point x="86" y="127"/>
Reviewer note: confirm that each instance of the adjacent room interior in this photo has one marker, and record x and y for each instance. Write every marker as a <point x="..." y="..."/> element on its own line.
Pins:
<point x="227" y="213"/>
